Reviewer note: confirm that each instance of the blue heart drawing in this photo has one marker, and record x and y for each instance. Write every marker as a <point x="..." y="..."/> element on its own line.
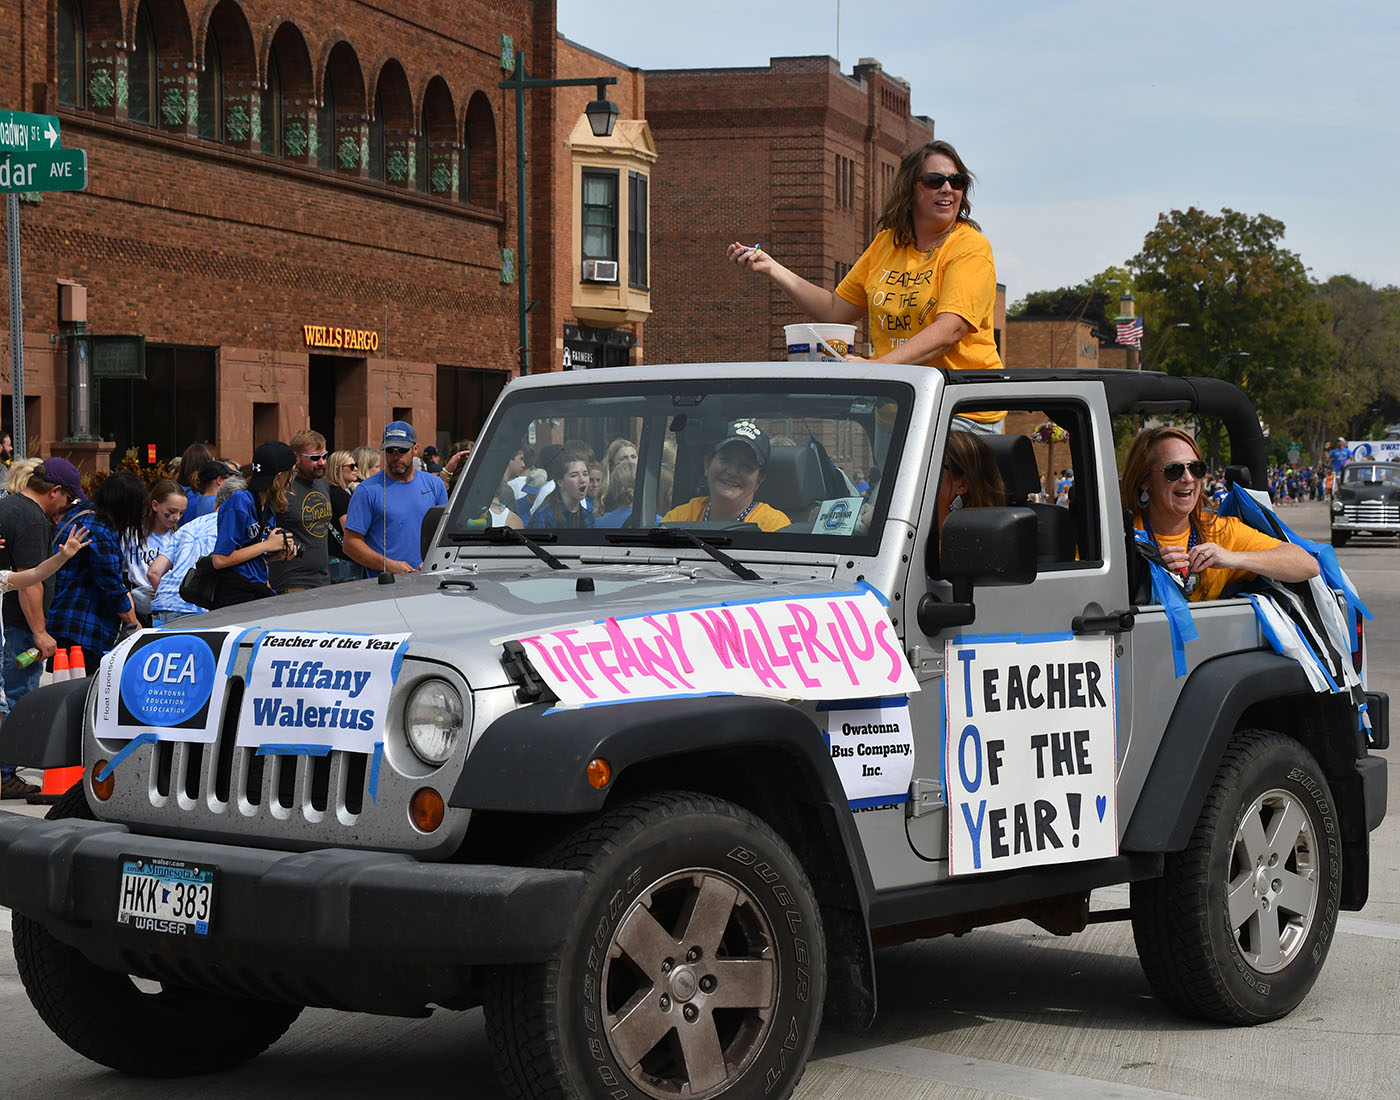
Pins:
<point x="1101" y="804"/>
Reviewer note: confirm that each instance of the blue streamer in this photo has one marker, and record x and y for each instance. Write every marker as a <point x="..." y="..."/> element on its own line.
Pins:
<point x="130" y="747"/>
<point x="1180" y="626"/>
<point x="374" y="763"/>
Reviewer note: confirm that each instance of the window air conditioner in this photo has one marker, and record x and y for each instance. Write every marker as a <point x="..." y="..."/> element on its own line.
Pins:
<point x="600" y="271"/>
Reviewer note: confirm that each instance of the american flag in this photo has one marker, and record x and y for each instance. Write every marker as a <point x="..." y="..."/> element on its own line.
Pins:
<point x="1130" y="333"/>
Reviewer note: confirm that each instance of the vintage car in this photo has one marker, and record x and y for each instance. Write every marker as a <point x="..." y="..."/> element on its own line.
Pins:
<point x="1366" y="501"/>
<point x="654" y="791"/>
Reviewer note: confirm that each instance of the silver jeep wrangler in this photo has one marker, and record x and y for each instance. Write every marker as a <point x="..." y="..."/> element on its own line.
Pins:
<point x="654" y="790"/>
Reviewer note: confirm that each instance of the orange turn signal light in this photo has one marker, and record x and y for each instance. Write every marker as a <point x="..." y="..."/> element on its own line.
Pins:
<point x="426" y="810"/>
<point x="599" y="773"/>
<point x="103" y="788"/>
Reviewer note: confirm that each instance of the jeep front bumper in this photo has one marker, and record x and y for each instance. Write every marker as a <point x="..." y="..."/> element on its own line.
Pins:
<point x="371" y="931"/>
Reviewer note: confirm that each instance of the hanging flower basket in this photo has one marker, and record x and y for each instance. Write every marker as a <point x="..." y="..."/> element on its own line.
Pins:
<point x="1046" y="432"/>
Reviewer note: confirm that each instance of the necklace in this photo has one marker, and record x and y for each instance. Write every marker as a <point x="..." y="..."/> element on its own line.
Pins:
<point x="737" y="519"/>
<point x="1190" y="580"/>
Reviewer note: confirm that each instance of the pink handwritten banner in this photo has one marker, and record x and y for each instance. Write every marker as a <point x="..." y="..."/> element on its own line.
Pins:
<point x="814" y="647"/>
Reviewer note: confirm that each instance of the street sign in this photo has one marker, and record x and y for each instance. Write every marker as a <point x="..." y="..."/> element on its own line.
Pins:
<point x="61" y="170"/>
<point x="26" y="133"/>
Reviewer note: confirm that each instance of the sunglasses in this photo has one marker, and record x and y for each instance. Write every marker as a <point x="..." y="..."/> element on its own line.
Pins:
<point x="348" y="466"/>
<point x="1172" y="471"/>
<point x="316" y="457"/>
<point x="934" y="180"/>
<point x="397" y="450"/>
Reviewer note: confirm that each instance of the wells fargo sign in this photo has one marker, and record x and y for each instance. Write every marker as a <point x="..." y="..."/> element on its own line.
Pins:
<point x="343" y="339"/>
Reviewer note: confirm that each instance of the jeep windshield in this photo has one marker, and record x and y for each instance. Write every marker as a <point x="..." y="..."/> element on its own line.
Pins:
<point x="744" y="465"/>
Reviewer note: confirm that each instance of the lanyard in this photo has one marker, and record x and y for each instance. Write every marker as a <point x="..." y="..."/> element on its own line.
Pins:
<point x="1189" y="582"/>
<point x="738" y="519"/>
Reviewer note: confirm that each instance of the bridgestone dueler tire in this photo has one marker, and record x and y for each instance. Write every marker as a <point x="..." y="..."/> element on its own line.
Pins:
<point x="657" y="869"/>
<point x="104" y="1016"/>
<point x="1198" y="958"/>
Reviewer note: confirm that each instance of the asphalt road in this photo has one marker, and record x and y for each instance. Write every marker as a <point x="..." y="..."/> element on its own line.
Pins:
<point x="1005" y="1012"/>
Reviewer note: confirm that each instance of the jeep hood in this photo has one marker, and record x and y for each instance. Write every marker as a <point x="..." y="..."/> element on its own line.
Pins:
<point x="453" y="616"/>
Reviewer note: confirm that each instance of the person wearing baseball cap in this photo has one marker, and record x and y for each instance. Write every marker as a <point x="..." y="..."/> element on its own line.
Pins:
<point x="733" y="472"/>
<point x="59" y="471"/>
<point x="248" y="531"/>
<point x="384" y="522"/>
<point x="202" y="501"/>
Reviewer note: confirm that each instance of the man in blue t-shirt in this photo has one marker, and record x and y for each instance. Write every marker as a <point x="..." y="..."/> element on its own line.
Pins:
<point x="383" y="524"/>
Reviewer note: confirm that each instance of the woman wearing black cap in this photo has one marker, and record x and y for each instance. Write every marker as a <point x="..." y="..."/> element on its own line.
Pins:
<point x="247" y="528"/>
<point x="733" y="472"/>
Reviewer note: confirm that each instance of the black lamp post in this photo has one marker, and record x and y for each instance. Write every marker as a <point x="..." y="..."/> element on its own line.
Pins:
<point x="602" y="115"/>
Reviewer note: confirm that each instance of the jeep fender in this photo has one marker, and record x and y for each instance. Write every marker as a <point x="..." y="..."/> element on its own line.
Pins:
<point x="45" y="728"/>
<point x="534" y="760"/>
<point x="1206" y="715"/>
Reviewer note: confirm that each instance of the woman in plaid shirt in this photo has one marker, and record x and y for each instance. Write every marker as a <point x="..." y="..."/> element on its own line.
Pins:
<point x="90" y="600"/>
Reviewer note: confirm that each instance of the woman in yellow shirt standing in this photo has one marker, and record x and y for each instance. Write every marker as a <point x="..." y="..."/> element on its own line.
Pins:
<point x="927" y="283"/>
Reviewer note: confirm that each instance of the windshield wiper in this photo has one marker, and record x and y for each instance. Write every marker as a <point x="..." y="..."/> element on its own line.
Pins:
<point x="677" y="536"/>
<point x="511" y="535"/>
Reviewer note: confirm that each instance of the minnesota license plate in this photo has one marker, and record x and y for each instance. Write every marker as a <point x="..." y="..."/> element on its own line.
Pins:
<point x="164" y="895"/>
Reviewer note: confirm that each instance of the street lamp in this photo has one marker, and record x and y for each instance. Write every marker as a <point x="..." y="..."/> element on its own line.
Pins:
<point x="602" y="115"/>
<point x="1228" y="355"/>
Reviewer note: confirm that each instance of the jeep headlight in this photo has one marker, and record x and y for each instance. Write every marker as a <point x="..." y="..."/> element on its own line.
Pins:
<point x="433" y="720"/>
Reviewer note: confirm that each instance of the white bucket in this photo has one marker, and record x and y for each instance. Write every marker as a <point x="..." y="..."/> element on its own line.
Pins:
<point x="805" y="342"/>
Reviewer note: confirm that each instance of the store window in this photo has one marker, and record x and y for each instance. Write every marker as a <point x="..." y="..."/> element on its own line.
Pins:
<point x="72" y="55"/>
<point x="464" y="398"/>
<point x="599" y="214"/>
<point x="637" y="230"/>
<point x="172" y="407"/>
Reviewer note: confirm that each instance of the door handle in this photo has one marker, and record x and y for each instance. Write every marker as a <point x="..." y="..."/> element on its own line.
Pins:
<point x="1111" y="622"/>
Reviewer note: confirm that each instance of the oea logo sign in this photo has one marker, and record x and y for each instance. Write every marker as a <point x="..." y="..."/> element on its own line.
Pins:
<point x="168" y="680"/>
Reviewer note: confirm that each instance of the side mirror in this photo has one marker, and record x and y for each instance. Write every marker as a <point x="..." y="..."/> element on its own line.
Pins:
<point x="431" y="519"/>
<point x="979" y="544"/>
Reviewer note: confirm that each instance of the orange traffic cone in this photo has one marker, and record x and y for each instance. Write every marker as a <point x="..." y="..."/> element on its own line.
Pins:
<point x="77" y="667"/>
<point x="58" y="780"/>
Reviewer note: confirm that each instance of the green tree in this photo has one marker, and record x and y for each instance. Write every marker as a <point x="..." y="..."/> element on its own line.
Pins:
<point x="1360" y="387"/>
<point x="1245" y="306"/>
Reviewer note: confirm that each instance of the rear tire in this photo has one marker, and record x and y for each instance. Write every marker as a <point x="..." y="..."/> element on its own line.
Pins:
<point x="1237" y="928"/>
<point x="695" y="965"/>
<point x="103" y="1015"/>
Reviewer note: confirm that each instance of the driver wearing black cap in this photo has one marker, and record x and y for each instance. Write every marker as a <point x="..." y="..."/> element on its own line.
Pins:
<point x="733" y="473"/>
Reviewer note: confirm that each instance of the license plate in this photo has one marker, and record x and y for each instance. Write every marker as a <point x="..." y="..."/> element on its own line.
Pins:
<point x="164" y="895"/>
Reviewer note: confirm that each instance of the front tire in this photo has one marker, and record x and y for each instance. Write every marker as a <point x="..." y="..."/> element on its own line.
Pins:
<point x="1237" y="928"/>
<point x="695" y="965"/>
<point x="1339" y="538"/>
<point x="105" y="1016"/>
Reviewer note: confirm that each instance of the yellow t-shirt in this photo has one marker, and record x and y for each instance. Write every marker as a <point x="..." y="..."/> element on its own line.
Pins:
<point x="904" y="289"/>
<point x="1232" y="534"/>
<point x="693" y="510"/>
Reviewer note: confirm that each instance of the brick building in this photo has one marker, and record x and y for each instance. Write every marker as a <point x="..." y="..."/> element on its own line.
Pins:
<point x="796" y="156"/>
<point x="306" y="209"/>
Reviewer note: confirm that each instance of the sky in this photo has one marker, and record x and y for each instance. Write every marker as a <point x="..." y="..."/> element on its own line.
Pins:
<point x="1083" y="121"/>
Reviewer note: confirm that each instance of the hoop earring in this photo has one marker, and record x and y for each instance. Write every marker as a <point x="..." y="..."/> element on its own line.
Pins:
<point x="1143" y="499"/>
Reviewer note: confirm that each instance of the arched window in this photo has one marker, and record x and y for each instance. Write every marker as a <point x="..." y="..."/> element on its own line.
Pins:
<point x="420" y="154"/>
<point x="478" y="181"/>
<point x="142" y="69"/>
<point x="211" y="90"/>
<point x="272" y="107"/>
<point x="72" y="55"/>
<point x="376" y="139"/>
<point x="325" y="127"/>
